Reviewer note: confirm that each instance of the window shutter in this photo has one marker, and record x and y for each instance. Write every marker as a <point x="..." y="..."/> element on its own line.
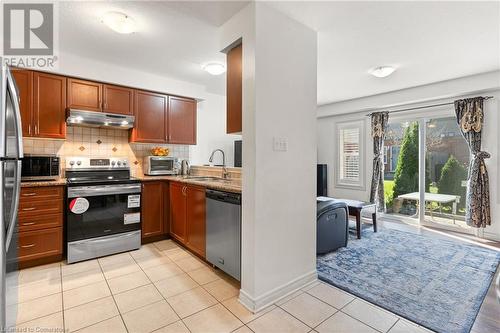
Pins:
<point x="349" y="146"/>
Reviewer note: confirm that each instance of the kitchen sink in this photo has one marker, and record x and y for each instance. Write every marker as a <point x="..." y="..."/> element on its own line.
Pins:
<point x="208" y="179"/>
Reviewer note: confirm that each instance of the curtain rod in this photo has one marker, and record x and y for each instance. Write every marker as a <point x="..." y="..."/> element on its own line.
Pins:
<point x="424" y="107"/>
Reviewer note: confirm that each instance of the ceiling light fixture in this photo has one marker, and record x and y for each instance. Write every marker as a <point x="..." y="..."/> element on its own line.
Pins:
<point x="119" y="22"/>
<point x="382" y="71"/>
<point x="214" y="68"/>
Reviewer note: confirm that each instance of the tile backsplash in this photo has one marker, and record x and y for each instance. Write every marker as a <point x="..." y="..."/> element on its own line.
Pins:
<point x="98" y="143"/>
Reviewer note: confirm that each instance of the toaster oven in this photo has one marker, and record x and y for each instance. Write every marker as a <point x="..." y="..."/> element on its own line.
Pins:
<point x="161" y="165"/>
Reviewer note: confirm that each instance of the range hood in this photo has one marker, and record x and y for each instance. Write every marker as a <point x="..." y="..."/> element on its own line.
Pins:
<point x="99" y="119"/>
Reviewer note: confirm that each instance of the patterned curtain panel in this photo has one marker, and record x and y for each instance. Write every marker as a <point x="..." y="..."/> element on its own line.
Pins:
<point x="379" y="125"/>
<point x="470" y="117"/>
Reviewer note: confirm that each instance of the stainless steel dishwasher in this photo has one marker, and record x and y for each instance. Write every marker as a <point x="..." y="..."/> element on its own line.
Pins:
<point x="224" y="231"/>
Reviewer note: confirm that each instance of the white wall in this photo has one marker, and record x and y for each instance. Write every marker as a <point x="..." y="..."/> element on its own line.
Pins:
<point x="483" y="84"/>
<point x="211" y="134"/>
<point x="279" y="100"/>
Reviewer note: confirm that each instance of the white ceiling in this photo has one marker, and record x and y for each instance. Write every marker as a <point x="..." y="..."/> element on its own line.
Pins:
<point x="426" y="41"/>
<point x="174" y="39"/>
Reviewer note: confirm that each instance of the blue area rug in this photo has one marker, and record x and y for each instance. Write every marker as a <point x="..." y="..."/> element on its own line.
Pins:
<point x="436" y="283"/>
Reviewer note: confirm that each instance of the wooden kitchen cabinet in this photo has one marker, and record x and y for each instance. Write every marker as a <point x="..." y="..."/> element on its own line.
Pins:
<point x="181" y="120"/>
<point x="84" y="95"/>
<point x="150" y="110"/>
<point x="234" y="90"/>
<point x="195" y="219"/>
<point x="118" y="99"/>
<point x="24" y="82"/>
<point x="188" y="214"/>
<point x="49" y="106"/>
<point x="40" y="222"/>
<point x="152" y="209"/>
<point x="178" y="212"/>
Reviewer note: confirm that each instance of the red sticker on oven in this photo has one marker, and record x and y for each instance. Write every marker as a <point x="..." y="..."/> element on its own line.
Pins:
<point x="79" y="205"/>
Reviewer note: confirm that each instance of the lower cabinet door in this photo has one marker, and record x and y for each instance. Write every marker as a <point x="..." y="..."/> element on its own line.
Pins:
<point x="152" y="206"/>
<point x="196" y="216"/>
<point x="40" y="243"/>
<point x="178" y="211"/>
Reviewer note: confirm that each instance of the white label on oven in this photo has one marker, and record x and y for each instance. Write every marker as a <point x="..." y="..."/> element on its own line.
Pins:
<point x="131" y="218"/>
<point x="79" y="205"/>
<point x="134" y="201"/>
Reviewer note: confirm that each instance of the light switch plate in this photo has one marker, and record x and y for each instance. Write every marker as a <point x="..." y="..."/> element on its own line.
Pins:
<point x="280" y="144"/>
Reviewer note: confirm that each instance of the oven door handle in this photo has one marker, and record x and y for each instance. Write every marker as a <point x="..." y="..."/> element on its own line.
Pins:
<point x="93" y="191"/>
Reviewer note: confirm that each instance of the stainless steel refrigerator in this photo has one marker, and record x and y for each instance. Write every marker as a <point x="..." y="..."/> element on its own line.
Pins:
<point x="11" y="152"/>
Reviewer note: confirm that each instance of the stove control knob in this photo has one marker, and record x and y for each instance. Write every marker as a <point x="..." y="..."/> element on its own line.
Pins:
<point x="71" y="163"/>
<point x="113" y="163"/>
<point x="78" y="162"/>
<point x="124" y="163"/>
<point x="119" y="163"/>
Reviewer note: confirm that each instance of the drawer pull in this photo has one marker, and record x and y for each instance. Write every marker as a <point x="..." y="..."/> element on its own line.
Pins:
<point x="29" y="208"/>
<point x="28" y="194"/>
<point x="28" y="223"/>
<point x="28" y="246"/>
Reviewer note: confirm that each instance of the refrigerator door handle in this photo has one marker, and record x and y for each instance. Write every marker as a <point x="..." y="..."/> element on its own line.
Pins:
<point x="15" y="205"/>
<point x="14" y="93"/>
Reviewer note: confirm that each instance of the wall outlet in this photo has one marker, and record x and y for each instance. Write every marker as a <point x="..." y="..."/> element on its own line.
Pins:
<point x="280" y="144"/>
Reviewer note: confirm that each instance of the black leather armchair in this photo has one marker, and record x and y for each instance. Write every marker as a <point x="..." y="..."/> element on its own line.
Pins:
<point x="332" y="220"/>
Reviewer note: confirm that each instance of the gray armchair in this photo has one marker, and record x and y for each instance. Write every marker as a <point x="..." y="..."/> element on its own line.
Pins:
<point x="332" y="220"/>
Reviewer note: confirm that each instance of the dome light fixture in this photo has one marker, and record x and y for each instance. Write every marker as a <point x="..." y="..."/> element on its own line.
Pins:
<point x="382" y="71"/>
<point x="214" y="68"/>
<point x="119" y="22"/>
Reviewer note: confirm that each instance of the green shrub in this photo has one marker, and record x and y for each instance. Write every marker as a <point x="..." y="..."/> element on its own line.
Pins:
<point x="406" y="175"/>
<point x="450" y="181"/>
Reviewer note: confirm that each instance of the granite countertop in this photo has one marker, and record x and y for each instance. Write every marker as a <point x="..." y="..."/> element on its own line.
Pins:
<point x="231" y="185"/>
<point x="40" y="183"/>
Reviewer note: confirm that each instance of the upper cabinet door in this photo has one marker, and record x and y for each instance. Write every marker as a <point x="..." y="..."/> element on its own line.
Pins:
<point x="118" y="99"/>
<point x="181" y="120"/>
<point x="234" y="90"/>
<point x="150" y="112"/>
<point x="49" y="106"/>
<point x="84" y="95"/>
<point x="24" y="82"/>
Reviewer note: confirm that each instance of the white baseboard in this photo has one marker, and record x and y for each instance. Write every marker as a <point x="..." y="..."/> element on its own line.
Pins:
<point x="491" y="236"/>
<point x="258" y="303"/>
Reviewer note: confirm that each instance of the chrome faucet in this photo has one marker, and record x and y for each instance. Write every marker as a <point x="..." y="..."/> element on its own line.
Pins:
<point x="225" y="174"/>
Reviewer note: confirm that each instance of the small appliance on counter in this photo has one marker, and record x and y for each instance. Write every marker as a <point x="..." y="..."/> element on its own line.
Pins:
<point x="161" y="165"/>
<point x="40" y="167"/>
<point x="185" y="168"/>
<point x="103" y="208"/>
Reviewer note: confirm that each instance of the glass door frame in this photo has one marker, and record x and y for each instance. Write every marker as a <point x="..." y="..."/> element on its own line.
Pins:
<point x="422" y="117"/>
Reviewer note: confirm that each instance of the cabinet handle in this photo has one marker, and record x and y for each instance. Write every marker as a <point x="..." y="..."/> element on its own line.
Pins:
<point x="29" y="208"/>
<point x="28" y="194"/>
<point x="29" y="223"/>
<point x="29" y="129"/>
<point x="27" y="246"/>
<point x="36" y="129"/>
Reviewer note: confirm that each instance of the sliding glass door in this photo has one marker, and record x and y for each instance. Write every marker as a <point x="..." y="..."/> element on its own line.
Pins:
<point x="447" y="162"/>
<point x="436" y="144"/>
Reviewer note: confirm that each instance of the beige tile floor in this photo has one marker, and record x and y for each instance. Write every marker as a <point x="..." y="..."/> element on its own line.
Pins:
<point x="162" y="288"/>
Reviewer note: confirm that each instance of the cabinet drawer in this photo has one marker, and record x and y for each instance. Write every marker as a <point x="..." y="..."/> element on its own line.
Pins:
<point x="36" y="222"/>
<point x="39" y="244"/>
<point x="43" y="207"/>
<point x="41" y="193"/>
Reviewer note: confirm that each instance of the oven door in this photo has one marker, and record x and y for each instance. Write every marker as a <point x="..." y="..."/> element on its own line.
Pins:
<point x="96" y="211"/>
